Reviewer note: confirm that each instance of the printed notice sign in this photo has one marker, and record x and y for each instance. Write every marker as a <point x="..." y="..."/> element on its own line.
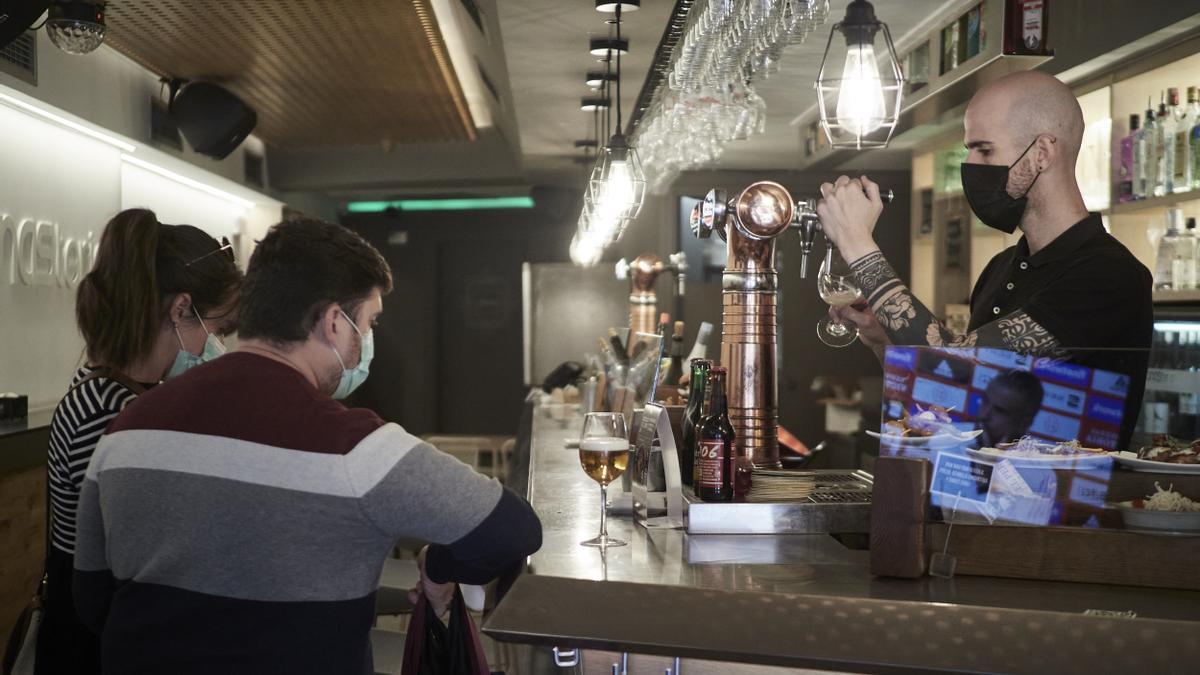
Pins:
<point x="963" y="478"/>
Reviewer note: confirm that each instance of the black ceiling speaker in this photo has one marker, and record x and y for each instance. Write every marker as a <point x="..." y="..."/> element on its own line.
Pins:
<point x="213" y="120"/>
<point x="16" y="16"/>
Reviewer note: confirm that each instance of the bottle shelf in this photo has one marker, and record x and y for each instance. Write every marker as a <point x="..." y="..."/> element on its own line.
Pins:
<point x="1163" y="202"/>
<point x="1176" y="296"/>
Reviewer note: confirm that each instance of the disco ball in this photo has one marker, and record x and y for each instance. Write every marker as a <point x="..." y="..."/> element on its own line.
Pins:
<point x="76" y="27"/>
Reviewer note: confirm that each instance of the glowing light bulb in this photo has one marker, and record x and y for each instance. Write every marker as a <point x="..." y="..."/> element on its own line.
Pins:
<point x="860" y="101"/>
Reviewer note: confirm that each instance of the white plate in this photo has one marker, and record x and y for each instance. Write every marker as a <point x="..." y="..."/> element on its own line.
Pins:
<point x="1151" y="466"/>
<point x="1043" y="461"/>
<point x="1172" y="521"/>
<point x="935" y="441"/>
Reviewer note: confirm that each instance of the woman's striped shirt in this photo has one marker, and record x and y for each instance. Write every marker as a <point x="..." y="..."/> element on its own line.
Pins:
<point x="79" y="420"/>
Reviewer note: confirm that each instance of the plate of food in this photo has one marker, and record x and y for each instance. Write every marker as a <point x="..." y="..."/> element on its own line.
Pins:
<point x="1033" y="452"/>
<point x="1165" y="510"/>
<point x="930" y="428"/>
<point x="1165" y="455"/>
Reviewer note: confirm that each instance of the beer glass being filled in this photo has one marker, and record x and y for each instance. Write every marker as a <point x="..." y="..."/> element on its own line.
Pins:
<point x="604" y="456"/>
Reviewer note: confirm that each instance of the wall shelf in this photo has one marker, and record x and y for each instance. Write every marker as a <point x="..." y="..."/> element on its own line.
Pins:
<point x="1164" y="202"/>
<point x="1172" y="381"/>
<point x="1176" y="296"/>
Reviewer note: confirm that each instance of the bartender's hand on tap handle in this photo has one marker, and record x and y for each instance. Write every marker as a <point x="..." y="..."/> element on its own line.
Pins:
<point x="849" y="209"/>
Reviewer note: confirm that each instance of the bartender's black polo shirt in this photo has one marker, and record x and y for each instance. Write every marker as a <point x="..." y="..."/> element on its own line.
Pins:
<point x="1088" y="290"/>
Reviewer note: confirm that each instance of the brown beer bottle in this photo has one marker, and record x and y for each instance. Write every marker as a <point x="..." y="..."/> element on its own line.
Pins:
<point x="715" y="444"/>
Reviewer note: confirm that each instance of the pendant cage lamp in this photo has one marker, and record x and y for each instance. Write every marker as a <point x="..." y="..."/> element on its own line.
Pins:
<point x="859" y="91"/>
<point x="605" y="46"/>
<point x="609" y="6"/>
<point x="597" y="78"/>
<point x="594" y="103"/>
<point x="617" y="186"/>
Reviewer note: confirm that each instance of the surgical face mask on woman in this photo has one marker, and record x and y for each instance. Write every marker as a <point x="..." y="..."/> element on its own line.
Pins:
<point x="352" y="378"/>
<point x="185" y="360"/>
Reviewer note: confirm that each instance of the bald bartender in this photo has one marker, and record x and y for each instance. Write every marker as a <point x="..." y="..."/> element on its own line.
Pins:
<point x="1066" y="289"/>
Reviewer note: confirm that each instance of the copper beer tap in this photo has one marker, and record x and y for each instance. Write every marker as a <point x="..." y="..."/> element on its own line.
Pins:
<point x="749" y="224"/>
<point x="642" y="274"/>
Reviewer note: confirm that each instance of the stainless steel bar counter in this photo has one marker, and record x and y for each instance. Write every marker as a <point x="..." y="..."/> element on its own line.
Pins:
<point x="807" y="600"/>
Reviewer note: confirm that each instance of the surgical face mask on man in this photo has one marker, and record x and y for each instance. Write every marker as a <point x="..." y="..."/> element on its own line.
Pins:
<point x="352" y="378"/>
<point x="986" y="189"/>
<point x="184" y="360"/>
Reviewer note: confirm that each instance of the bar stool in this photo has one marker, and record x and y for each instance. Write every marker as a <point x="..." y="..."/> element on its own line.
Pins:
<point x="470" y="449"/>
<point x="394" y="583"/>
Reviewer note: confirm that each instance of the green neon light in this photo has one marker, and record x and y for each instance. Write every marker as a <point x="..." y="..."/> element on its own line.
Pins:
<point x="462" y="204"/>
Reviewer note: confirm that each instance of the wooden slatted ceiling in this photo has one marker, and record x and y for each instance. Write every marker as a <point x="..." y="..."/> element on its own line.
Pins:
<point x="318" y="72"/>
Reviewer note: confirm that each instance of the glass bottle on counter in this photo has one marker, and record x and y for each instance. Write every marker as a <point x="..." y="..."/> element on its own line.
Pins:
<point x="700" y="347"/>
<point x="1184" y="126"/>
<point x="1128" y="168"/>
<point x="1143" y="158"/>
<point x="715" y="444"/>
<point x="691" y="419"/>
<point x="1184" y="272"/>
<point x="1164" y="263"/>
<point x="673" y="370"/>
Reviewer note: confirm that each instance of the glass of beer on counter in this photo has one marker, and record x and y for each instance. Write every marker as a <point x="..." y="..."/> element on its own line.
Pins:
<point x="604" y="455"/>
<point x="836" y="285"/>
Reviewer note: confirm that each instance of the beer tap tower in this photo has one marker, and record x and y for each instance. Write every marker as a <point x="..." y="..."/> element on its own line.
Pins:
<point x="642" y="274"/>
<point x="749" y="225"/>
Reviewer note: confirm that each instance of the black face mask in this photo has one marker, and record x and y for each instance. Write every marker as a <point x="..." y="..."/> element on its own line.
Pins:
<point x="986" y="188"/>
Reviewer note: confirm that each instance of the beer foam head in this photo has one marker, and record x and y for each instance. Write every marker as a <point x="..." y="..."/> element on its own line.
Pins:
<point x="604" y="444"/>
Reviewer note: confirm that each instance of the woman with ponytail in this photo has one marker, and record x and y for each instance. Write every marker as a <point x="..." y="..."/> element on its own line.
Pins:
<point x="154" y="304"/>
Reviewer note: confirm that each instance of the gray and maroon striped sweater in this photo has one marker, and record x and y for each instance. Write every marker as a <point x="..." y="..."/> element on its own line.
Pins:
<point x="236" y="520"/>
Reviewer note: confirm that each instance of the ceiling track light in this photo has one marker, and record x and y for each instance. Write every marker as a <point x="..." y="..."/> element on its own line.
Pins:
<point x="609" y="7"/>
<point x="606" y="46"/>
<point x="860" y="109"/>
<point x="594" y="103"/>
<point x="76" y="27"/>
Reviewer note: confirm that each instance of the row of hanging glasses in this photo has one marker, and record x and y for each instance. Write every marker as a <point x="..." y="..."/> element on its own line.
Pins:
<point x="709" y="99"/>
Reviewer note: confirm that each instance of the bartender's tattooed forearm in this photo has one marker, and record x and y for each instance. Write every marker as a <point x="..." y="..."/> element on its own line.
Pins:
<point x="908" y="322"/>
<point x="874" y="276"/>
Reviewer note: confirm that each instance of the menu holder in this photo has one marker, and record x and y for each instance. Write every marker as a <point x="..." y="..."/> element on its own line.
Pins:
<point x="655" y="437"/>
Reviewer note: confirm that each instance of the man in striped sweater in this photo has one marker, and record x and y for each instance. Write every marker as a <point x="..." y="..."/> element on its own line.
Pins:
<point x="236" y="519"/>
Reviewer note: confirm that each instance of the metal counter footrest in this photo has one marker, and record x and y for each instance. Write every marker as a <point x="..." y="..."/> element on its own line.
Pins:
<point x="789" y="502"/>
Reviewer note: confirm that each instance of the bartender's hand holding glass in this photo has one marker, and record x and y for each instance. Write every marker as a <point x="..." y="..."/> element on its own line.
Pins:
<point x="604" y="456"/>
<point x="836" y="285"/>
<point x="438" y="595"/>
<point x="849" y="209"/>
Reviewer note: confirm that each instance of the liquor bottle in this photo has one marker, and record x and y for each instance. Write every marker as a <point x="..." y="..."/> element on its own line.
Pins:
<point x="700" y="347"/>
<point x="1125" y="190"/>
<point x="1028" y="26"/>
<point x="1195" y="146"/>
<point x="1143" y="181"/>
<point x="1164" y="263"/>
<point x="1164" y="131"/>
<point x="1185" y="123"/>
<point x="1184" y="272"/>
<point x="673" y="372"/>
<point x="691" y="418"/>
<point x="715" y="443"/>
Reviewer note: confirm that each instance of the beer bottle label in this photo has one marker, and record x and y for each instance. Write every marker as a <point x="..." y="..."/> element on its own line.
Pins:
<point x="711" y="464"/>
